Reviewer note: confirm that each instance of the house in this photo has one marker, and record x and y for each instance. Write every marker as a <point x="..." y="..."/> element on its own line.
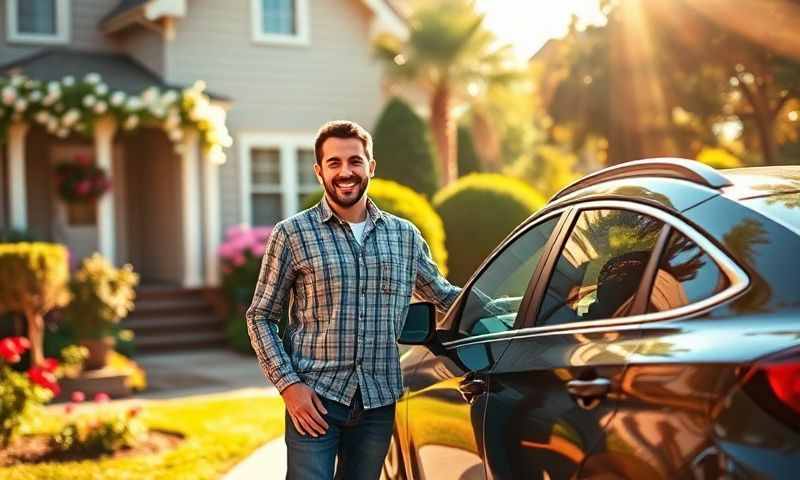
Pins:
<point x="275" y="71"/>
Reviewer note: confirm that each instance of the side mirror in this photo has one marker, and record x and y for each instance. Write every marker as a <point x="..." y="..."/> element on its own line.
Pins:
<point x="420" y="324"/>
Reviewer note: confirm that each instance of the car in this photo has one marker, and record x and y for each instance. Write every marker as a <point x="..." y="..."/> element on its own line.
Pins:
<point x="644" y="324"/>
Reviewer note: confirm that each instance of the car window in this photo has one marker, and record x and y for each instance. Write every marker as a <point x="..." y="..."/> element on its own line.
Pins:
<point x="600" y="268"/>
<point x="685" y="275"/>
<point x="494" y="298"/>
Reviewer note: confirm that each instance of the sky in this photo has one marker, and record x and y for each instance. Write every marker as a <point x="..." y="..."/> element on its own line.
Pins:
<point x="528" y="24"/>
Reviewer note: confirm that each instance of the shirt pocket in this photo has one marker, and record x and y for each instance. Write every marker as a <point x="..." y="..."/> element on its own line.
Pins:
<point x="394" y="278"/>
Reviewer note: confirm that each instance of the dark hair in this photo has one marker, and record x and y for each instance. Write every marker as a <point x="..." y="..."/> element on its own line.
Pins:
<point x="342" y="129"/>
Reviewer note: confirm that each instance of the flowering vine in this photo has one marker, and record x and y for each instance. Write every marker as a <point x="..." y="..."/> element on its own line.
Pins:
<point x="73" y="106"/>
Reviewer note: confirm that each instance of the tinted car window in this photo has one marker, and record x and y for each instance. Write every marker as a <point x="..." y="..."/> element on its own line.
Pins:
<point x="495" y="297"/>
<point x="600" y="267"/>
<point x="686" y="274"/>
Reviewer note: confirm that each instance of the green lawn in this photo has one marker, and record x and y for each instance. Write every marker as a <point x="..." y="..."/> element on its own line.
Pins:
<point x="219" y="433"/>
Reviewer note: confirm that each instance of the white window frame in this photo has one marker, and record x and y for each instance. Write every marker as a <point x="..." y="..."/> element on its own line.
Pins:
<point x="63" y="20"/>
<point x="301" y="38"/>
<point x="290" y="190"/>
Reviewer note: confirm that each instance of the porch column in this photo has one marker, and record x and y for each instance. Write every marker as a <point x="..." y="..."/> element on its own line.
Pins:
<point x="104" y="130"/>
<point x="190" y="208"/>
<point x="212" y="220"/>
<point x="16" y="173"/>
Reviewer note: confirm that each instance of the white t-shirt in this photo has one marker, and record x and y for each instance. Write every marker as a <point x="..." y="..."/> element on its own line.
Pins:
<point x="358" y="230"/>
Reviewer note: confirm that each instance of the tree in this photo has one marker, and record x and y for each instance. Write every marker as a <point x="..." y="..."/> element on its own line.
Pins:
<point x="403" y="149"/>
<point x="447" y="50"/>
<point x="468" y="161"/>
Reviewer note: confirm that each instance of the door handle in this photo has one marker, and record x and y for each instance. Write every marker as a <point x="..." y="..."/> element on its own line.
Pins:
<point x="471" y="388"/>
<point x="595" y="388"/>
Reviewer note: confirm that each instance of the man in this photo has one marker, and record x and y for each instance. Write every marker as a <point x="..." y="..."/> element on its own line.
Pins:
<point x="351" y="270"/>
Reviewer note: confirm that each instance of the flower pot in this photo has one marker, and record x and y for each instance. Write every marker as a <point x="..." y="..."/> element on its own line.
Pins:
<point x="98" y="351"/>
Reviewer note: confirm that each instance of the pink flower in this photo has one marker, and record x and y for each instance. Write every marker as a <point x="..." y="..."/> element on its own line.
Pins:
<point x="78" y="396"/>
<point x="257" y="249"/>
<point x="238" y="260"/>
<point x="234" y="231"/>
<point x="225" y="251"/>
<point x="101" y="397"/>
<point x="83" y="187"/>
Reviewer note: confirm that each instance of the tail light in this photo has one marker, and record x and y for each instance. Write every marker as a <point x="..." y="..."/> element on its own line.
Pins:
<point x="784" y="379"/>
<point x="774" y="383"/>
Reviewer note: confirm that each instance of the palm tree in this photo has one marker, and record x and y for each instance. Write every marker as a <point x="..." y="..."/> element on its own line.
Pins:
<point x="448" y="51"/>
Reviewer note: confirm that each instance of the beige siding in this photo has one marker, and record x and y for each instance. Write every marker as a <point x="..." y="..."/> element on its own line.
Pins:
<point x="278" y="88"/>
<point x="84" y="35"/>
<point x="144" y="46"/>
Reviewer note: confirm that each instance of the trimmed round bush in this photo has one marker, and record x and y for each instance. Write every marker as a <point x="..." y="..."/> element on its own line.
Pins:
<point x="405" y="203"/>
<point x="403" y="149"/>
<point x="478" y="211"/>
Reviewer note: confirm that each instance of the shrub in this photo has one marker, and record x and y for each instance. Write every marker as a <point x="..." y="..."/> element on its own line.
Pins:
<point x="102" y="296"/>
<point x="478" y="211"/>
<point x="403" y="149"/>
<point x="405" y="203"/>
<point x="33" y="281"/>
<point x="94" y="434"/>
<point x="718" y="158"/>
<point x="20" y="394"/>
<point x="468" y="160"/>
<point x="241" y="255"/>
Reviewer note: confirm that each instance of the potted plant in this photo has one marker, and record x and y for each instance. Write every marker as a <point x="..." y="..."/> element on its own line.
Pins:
<point x="102" y="296"/>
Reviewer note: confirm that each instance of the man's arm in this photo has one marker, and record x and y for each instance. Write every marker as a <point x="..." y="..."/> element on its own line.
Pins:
<point x="429" y="284"/>
<point x="274" y="283"/>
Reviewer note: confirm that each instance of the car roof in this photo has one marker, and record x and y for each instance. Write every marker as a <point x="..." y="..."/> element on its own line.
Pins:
<point x="754" y="182"/>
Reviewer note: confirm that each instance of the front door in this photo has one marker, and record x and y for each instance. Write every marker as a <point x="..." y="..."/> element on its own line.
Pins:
<point x="447" y="397"/>
<point x="73" y="224"/>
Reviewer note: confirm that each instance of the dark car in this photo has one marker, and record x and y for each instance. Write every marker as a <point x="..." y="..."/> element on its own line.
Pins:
<point x="645" y="324"/>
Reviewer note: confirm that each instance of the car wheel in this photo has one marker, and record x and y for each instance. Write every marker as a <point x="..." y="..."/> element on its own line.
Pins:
<point x="393" y="466"/>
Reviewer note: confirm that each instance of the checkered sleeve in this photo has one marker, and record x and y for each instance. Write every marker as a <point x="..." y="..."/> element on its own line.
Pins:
<point x="430" y="284"/>
<point x="275" y="280"/>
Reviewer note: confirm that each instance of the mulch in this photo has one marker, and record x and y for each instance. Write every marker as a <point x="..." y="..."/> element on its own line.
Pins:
<point x="37" y="449"/>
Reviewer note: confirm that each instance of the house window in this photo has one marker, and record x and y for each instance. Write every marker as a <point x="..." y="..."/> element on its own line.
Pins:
<point x="277" y="176"/>
<point x="38" y="21"/>
<point x="280" y="22"/>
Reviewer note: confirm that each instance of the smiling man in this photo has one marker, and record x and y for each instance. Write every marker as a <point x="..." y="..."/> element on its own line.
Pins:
<point x="350" y="270"/>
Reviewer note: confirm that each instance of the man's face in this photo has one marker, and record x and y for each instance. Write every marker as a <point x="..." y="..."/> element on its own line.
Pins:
<point x="344" y="170"/>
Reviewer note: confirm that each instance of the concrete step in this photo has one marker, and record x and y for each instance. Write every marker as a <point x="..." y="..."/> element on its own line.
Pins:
<point x="181" y="341"/>
<point x="176" y="322"/>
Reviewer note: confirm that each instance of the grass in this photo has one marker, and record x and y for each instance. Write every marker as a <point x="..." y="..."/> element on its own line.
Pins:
<point x="219" y="433"/>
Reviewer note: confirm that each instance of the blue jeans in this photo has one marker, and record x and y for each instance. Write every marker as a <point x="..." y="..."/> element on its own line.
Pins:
<point x="358" y="437"/>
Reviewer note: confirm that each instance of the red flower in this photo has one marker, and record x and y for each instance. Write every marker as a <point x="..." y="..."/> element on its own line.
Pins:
<point x="83" y="160"/>
<point x="45" y="379"/>
<point x="78" y="396"/>
<point x="83" y="187"/>
<point x="49" y="364"/>
<point x="22" y="343"/>
<point x="134" y="411"/>
<point x="101" y="397"/>
<point x="9" y="351"/>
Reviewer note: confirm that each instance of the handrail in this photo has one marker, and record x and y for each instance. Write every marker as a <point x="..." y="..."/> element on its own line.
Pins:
<point x="690" y="170"/>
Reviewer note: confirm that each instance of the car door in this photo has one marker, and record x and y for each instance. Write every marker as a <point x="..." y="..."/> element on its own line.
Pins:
<point x="445" y="397"/>
<point x="554" y="390"/>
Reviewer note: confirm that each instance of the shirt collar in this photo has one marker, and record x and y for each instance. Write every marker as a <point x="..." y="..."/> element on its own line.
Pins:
<point x="374" y="214"/>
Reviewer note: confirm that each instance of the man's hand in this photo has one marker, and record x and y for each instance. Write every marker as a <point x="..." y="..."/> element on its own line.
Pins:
<point x="305" y="409"/>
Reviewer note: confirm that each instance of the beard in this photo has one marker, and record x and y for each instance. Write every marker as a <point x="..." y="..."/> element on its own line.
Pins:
<point x="345" y="191"/>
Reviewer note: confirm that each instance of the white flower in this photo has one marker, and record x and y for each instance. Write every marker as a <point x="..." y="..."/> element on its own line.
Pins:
<point x="176" y="134"/>
<point x="216" y="155"/>
<point x="150" y="95"/>
<point x="173" y="120"/>
<point x="53" y="87"/>
<point x="68" y="81"/>
<point x="35" y="96"/>
<point x="133" y="104"/>
<point x="42" y="117"/>
<point x="52" y="124"/>
<point x="71" y="117"/>
<point x="180" y="148"/>
<point x="9" y="95"/>
<point x="17" y="80"/>
<point x="157" y="111"/>
<point x="117" y="98"/>
<point x="52" y="97"/>
<point x="62" y="133"/>
<point x="92" y="78"/>
<point x="131" y="122"/>
<point x="101" y="107"/>
<point x="101" y="89"/>
<point x="89" y="101"/>
<point x="31" y="84"/>
<point x="20" y="105"/>
<point x="169" y="97"/>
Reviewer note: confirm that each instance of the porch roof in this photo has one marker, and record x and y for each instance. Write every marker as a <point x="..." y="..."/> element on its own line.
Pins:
<point x="119" y="71"/>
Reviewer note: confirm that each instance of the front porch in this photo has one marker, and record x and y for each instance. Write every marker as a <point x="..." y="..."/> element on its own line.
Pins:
<point x="160" y="150"/>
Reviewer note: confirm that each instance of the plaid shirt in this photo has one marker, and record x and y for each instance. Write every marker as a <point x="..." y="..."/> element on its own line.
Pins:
<point x="349" y="302"/>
